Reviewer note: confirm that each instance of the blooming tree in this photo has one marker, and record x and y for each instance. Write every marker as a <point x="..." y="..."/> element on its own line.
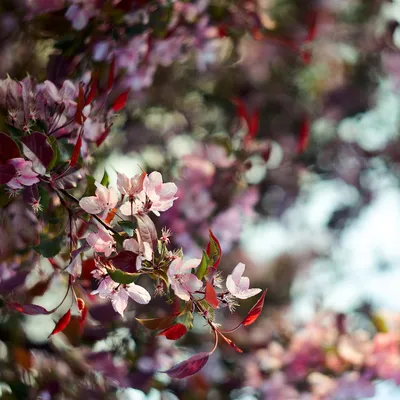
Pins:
<point x="138" y="259"/>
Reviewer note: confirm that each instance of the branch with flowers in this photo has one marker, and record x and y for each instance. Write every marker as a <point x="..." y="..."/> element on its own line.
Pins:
<point x="112" y="225"/>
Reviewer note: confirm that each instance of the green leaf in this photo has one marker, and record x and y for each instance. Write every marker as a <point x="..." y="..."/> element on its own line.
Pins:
<point x="54" y="145"/>
<point x="122" y="277"/>
<point x="49" y="247"/>
<point x="157" y="323"/>
<point x="91" y="187"/>
<point x="160" y="274"/>
<point x="105" y="180"/>
<point x="186" y="319"/>
<point x="208" y="308"/>
<point x="202" y="268"/>
<point x="128" y="226"/>
<point x="4" y="197"/>
<point x="13" y="131"/>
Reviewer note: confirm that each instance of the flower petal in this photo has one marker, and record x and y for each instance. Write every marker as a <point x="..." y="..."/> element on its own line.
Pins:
<point x="91" y="205"/>
<point x="238" y="272"/>
<point x="138" y="293"/>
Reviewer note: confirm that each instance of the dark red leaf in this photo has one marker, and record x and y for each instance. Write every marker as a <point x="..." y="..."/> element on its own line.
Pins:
<point x="120" y="102"/>
<point x="188" y="367"/>
<point x="93" y="88"/>
<point x="312" y="27"/>
<point x="125" y="260"/>
<point x="37" y="143"/>
<point x="7" y="172"/>
<point x="83" y="309"/>
<point x="230" y="342"/>
<point x="62" y="323"/>
<point x="76" y="152"/>
<point x="103" y="136"/>
<point x="8" y="148"/>
<point x="111" y="75"/>
<point x="174" y="332"/>
<point x="211" y="296"/>
<point x="254" y="122"/>
<point x="28" y="309"/>
<point x="304" y="134"/>
<point x="79" y="117"/>
<point x="255" y="312"/>
<point x="213" y="250"/>
<point x="241" y="110"/>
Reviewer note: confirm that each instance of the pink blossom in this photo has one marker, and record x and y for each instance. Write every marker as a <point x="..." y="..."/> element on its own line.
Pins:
<point x="103" y="202"/>
<point x="101" y="242"/>
<point x="182" y="281"/>
<point x="79" y="13"/>
<point x="238" y="285"/>
<point x="119" y="294"/>
<point x="66" y="95"/>
<point x="24" y="175"/>
<point x="143" y="249"/>
<point x="161" y="194"/>
<point x="130" y="187"/>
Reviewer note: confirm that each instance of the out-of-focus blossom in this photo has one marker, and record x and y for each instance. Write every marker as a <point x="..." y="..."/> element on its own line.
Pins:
<point x="24" y="176"/>
<point x="80" y="12"/>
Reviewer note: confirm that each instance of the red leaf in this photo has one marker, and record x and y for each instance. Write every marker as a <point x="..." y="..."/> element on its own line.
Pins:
<point x="8" y="148"/>
<point x="93" y="88"/>
<point x="188" y="367"/>
<point x="230" y="342"/>
<point x="255" y="312"/>
<point x="213" y="250"/>
<point x="103" y="136"/>
<point x="75" y="153"/>
<point x="120" y="102"/>
<point x="304" y="135"/>
<point x="312" y="27"/>
<point x="254" y="122"/>
<point x="83" y="309"/>
<point x="211" y="296"/>
<point x="79" y="117"/>
<point x="80" y="303"/>
<point x="28" y="309"/>
<point x="174" y="332"/>
<point x="241" y="110"/>
<point x="125" y="261"/>
<point x="62" y="323"/>
<point x="37" y="143"/>
<point x="7" y="172"/>
<point x="111" y="74"/>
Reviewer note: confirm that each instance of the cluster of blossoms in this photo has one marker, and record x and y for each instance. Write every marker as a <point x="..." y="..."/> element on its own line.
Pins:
<point x="149" y="34"/>
<point x="141" y="195"/>
<point x="326" y="359"/>
<point x="209" y="179"/>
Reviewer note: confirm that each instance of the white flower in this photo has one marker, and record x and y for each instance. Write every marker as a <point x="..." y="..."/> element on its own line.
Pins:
<point x="180" y="278"/>
<point x="239" y="285"/>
